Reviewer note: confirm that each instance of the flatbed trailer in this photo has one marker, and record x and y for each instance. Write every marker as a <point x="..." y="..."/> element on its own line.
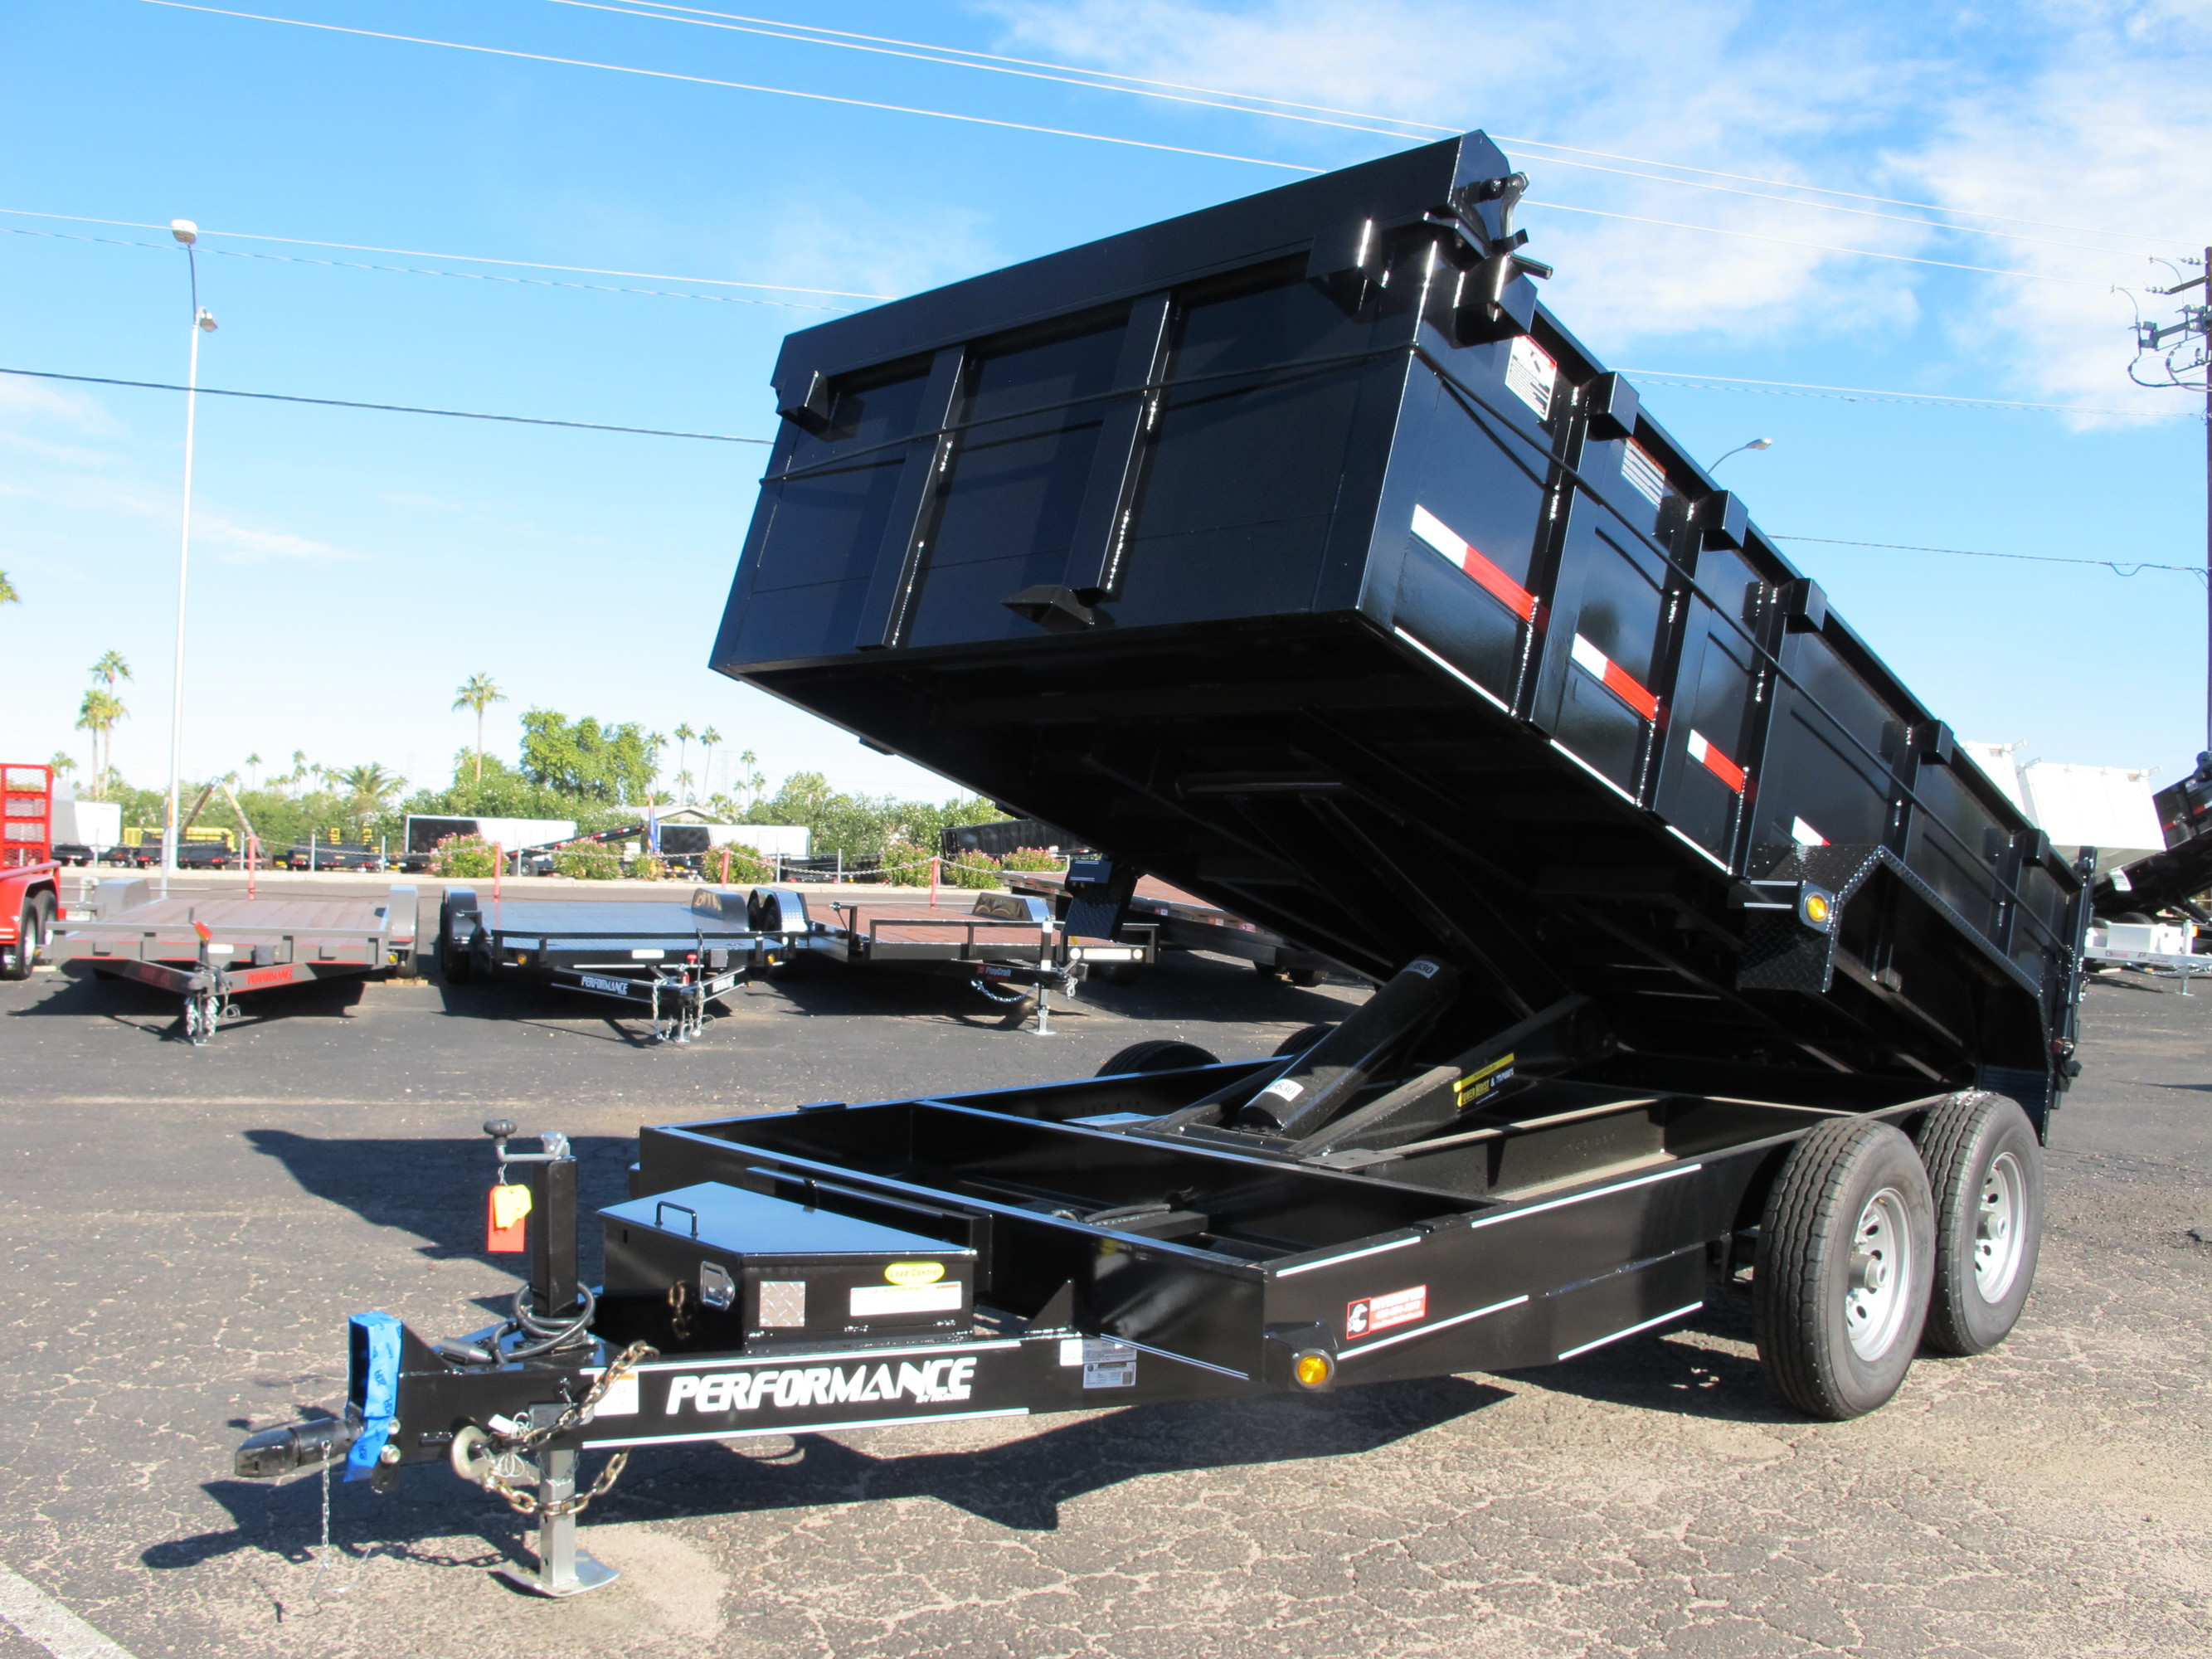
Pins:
<point x="1294" y="552"/>
<point x="210" y="950"/>
<point x="1159" y="916"/>
<point x="1009" y="946"/>
<point x="667" y="961"/>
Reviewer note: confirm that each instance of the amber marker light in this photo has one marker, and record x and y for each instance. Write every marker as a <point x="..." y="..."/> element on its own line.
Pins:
<point x="1311" y="1369"/>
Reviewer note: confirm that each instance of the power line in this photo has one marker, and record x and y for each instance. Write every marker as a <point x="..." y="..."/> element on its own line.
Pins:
<point x="1063" y="132"/>
<point x="414" y="271"/>
<point x="467" y="259"/>
<point x="738" y="86"/>
<point x="1247" y="104"/>
<point x="387" y="408"/>
<point x="2134" y="567"/>
<point x="1853" y="393"/>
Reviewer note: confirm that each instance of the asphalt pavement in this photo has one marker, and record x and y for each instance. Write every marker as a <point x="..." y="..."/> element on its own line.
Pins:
<point x="186" y="1230"/>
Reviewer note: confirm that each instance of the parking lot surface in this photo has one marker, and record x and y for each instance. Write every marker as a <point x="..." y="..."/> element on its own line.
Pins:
<point x="185" y="1231"/>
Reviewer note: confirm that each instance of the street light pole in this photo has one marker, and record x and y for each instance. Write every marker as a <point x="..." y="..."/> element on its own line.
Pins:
<point x="187" y="233"/>
<point x="1756" y="443"/>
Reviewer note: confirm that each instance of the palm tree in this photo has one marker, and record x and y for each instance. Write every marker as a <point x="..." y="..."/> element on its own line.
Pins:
<point x="478" y="693"/>
<point x="708" y="739"/>
<point x="7" y="593"/>
<point x="371" y="787"/>
<point x="97" y="715"/>
<point x="62" y="762"/>
<point x="684" y="736"/>
<point x="684" y="784"/>
<point x="752" y="780"/>
<point x="253" y="765"/>
<point x="298" y="775"/>
<point x="111" y="668"/>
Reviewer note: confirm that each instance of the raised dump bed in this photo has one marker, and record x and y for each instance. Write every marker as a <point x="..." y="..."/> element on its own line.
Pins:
<point x="1292" y="551"/>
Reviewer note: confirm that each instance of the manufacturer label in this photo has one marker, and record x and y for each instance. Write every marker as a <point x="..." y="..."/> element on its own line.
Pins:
<point x="1476" y="1085"/>
<point x="932" y="1382"/>
<point x="873" y="1301"/>
<point x="1530" y="374"/>
<point x="1285" y="1090"/>
<point x="1379" y="1313"/>
<point x="914" y="1273"/>
<point x="592" y="982"/>
<point x="1106" y="1363"/>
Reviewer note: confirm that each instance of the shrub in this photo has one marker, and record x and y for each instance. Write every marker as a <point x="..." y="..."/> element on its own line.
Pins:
<point x="1032" y="858"/>
<point x="971" y="868"/>
<point x="645" y="867"/>
<point x="906" y="863"/>
<point x="588" y="860"/>
<point x="463" y="856"/>
<point x="746" y="867"/>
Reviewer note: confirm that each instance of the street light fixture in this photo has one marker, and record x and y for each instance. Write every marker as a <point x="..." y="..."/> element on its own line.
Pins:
<point x="187" y="233"/>
<point x="1756" y="443"/>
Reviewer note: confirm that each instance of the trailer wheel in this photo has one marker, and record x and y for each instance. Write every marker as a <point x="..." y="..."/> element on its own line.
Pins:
<point x="1846" y="1251"/>
<point x="1306" y="978"/>
<point x="1301" y="1039"/>
<point x="32" y="929"/>
<point x="1160" y="1055"/>
<point x="1986" y="1169"/>
<point x="454" y="966"/>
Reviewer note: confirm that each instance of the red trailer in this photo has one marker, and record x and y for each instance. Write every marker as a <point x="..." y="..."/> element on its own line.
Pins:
<point x="30" y="896"/>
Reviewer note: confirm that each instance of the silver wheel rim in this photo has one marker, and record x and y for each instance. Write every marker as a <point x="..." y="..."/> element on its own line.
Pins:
<point x="1881" y="1269"/>
<point x="1997" y="1237"/>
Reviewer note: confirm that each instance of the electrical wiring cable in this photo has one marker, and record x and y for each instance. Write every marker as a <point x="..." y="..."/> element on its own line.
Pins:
<point x="416" y="270"/>
<point x="1856" y="394"/>
<point x="467" y="259"/>
<point x="2134" y="567"/>
<point x="737" y="86"/>
<point x="1224" y="99"/>
<point x="386" y="409"/>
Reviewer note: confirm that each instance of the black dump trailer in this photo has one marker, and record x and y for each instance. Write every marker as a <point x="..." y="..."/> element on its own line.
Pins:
<point x="2175" y="879"/>
<point x="1292" y="551"/>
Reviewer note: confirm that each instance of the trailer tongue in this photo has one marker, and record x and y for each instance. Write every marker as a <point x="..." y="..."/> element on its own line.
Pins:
<point x="1292" y="551"/>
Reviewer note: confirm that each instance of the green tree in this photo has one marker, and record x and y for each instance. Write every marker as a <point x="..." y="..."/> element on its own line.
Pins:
<point x="369" y="787"/>
<point x="595" y="762"/>
<point x="708" y="739"/>
<point x="253" y="765"/>
<point x="7" y="593"/>
<point x="111" y="668"/>
<point x="752" y="782"/>
<point x="97" y="715"/>
<point x="684" y="736"/>
<point x="63" y="763"/>
<point x="478" y="692"/>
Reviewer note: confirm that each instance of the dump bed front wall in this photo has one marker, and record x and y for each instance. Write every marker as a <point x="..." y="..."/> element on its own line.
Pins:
<point x="1284" y="553"/>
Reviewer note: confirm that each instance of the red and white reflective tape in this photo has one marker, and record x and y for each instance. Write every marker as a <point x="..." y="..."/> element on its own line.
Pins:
<point x="1805" y="835"/>
<point x="1716" y="762"/>
<point x="1502" y="588"/>
<point x="1615" y="678"/>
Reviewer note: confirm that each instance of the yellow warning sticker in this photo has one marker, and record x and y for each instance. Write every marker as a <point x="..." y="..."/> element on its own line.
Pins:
<point x="1477" y="1085"/>
<point x="914" y="1273"/>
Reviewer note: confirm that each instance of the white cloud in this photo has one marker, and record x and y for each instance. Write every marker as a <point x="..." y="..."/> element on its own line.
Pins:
<point x="877" y="247"/>
<point x="243" y="543"/>
<point x="25" y="401"/>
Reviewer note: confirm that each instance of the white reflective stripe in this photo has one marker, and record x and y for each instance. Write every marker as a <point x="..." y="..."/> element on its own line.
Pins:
<point x="39" y="1618"/>
<point x="1632" y="1330"/>
<point x="807" y="1428"/>
<point x="1578" y="1198"/>
<point x="1438" y="534"/>
<point x="1805" y="835"/>
<point x="1435" y="1325"/>
<point x="705" y="1362"/>
<point x="1349" y="1255"/>
<point x="1475" y="686"/>
<point x="1700" y="851"/>
<point x="1589" y="657"/>
<point x="1698" y="746"/>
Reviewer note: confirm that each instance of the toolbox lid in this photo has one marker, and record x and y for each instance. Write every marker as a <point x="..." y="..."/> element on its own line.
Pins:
<point x="741" y="1223"/>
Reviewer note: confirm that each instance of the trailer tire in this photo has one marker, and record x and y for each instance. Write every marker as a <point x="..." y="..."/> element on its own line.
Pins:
<point x="1306" y="978"/>
<point x="1160" y="1055"/>
<point x="454" y="966"/>
<point x="32" y="928"/>
<point x="1986" y="1169"/>
<point x="1846" y="1253"/>
<point x="1301" y="1039"/>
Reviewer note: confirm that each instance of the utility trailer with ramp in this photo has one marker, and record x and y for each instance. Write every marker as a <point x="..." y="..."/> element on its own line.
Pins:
<point x="665" y="960"/>
<point x="212" y="949"/>
<point x="1292" y="551"/>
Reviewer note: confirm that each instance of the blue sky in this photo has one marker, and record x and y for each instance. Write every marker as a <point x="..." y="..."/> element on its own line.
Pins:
<point x="351" y="568"/>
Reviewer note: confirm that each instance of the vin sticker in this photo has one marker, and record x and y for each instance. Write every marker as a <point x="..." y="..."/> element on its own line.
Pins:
<point x="1378" y="1313"/>
<point x="1106" y="1363"/>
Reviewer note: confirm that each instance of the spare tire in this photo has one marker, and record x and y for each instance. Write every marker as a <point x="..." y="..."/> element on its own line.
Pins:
<point x="1160" y="1055"/>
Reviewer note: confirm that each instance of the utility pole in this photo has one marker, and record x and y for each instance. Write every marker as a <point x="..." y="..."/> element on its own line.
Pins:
<point x="2196" y="324"/>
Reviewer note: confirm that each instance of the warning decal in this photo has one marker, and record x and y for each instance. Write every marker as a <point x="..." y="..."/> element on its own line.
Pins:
<point x="1379" y="1313"/>
<point x="1530" y="374"/>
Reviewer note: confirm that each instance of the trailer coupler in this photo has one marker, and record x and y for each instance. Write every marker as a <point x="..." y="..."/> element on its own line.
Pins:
<point x="274" y="1453"/>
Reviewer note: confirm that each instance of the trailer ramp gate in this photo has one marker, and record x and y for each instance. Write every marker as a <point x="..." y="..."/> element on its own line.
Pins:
<point x="1290" y="551"/>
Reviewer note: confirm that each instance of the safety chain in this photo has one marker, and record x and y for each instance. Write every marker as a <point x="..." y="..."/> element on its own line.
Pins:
<point x="523" y="1501"/>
